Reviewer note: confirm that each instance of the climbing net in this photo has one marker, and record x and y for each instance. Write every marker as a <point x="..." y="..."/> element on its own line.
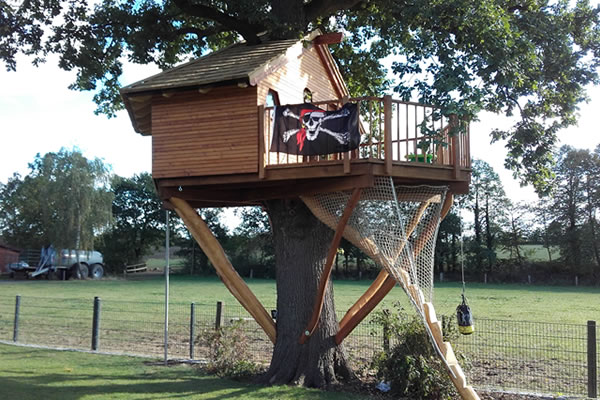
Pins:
<point x="396" y="226"/>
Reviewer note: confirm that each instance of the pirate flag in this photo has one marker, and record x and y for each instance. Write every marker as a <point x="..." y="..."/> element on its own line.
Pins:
<point x="307" y="130"/>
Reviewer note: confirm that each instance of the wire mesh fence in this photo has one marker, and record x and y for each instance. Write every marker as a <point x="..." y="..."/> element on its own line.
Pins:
<point x="506" y="355"/>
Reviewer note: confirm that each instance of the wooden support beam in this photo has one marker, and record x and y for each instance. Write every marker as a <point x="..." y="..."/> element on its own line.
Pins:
<point x="384" y="283"/>
<point x="318" y="306"/>
<point x="232" y="280"/>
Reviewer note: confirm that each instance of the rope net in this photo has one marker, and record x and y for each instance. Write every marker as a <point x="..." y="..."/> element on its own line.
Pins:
<point x="396" y="226"/>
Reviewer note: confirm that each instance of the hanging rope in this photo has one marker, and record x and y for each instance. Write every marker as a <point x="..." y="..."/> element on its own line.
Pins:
<point x="463" y="311"/>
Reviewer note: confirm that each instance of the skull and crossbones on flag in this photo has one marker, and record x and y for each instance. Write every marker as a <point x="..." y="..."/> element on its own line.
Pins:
<point x="305" y="129"/>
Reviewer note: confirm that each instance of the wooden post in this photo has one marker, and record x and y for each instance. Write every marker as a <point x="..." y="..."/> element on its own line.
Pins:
<point x="592" y="359"/>
<point x="219" y="316"/>
<point x="215" y="253"/>
<point x="455" y="147"/>
<point x="346" y="154"/>
<point x="387" y="132"/>
<point x="261" y="142"/>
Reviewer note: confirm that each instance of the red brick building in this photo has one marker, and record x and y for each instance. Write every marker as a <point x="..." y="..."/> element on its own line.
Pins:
<point x="7" y="255"/>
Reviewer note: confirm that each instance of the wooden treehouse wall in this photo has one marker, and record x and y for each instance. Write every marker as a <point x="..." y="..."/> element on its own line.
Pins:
<point x="289" y="81"/>
<point x="196" y="134"/>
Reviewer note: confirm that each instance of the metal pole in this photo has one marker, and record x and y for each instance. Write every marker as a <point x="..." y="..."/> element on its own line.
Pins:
<point x="96" y="324"/>
<point x="592" y="359"/>
<point x="17" y="314"/>
<point x="192" y="329"/>
<point x="167" y="291"/>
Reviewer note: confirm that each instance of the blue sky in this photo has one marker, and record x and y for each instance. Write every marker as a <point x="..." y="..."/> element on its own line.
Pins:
<point x="39" y="114"/>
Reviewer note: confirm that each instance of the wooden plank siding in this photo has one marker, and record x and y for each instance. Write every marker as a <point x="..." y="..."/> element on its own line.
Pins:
<point x="197" y="134"/>
<point x="290" y="80"/>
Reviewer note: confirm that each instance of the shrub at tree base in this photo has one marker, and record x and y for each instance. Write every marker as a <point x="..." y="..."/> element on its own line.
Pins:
<point x="228" y="354"/>
<point x="411" y="367"/>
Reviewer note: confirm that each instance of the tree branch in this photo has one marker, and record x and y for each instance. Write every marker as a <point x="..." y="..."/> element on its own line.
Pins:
<point x="200" y="33"/>
<point x="324" y="8"/>
<point x="248" y="30"/>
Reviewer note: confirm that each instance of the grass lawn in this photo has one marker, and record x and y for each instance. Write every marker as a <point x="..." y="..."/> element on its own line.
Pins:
<point x="564" y="304"/>
<point x="29" y="373"/>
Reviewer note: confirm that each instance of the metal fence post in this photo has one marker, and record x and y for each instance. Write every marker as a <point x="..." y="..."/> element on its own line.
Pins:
<point x="219" y="317"/>
<point x="192" y="329"/>
<point x="96" y="324"/>
<point x="17" y="314"/>
<point x="592" y="359"/>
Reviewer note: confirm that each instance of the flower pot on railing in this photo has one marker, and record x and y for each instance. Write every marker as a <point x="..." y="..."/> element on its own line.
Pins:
<point x="424" y="158"/>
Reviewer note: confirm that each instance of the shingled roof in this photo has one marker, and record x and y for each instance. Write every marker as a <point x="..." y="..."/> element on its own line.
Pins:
<point x="237" y="62"/>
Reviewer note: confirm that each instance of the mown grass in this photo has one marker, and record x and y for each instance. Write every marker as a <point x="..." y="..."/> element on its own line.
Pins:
<point x="30" y="373"/>
<point x="564" y="304"/>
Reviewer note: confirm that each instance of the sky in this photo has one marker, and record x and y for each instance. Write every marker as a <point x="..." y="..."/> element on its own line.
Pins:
<point x="39" y="114"/>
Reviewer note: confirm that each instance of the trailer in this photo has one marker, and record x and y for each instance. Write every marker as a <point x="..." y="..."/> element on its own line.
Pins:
<point x="63" y="265"/>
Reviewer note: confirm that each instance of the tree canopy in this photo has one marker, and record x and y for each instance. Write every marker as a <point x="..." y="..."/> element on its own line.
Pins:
<point x="532" y="58"/>
<point x="63" y="201"/>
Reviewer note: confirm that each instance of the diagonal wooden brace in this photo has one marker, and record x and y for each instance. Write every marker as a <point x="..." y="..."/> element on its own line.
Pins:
<point x="318" y="306"/>
<point x="232" y="280"/>
<point x="384" y="283"/>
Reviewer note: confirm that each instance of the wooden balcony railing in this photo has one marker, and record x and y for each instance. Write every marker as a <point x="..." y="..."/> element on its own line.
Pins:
<point x="392" y="131"/>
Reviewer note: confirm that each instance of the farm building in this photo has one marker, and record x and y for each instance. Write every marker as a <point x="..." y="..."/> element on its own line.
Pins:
<point x="8" y="255"/>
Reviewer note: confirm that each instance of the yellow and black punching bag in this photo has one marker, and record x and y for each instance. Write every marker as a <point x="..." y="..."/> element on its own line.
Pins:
<point x="464" y="318"/>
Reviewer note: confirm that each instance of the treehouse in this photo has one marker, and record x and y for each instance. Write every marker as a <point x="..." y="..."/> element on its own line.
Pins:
<point x="271" y="121"/>
<point x="211" y="124"/>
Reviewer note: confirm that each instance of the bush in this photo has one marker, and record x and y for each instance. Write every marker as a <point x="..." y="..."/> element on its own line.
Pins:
<point x="228" y="351"/>
<point x="411" y="366"/>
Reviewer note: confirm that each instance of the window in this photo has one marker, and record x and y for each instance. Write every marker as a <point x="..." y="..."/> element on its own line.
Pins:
<point x="308" y="97"/>
<point x="272" y="98"/>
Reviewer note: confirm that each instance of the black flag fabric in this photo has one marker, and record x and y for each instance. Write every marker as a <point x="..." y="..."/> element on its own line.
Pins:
<point x="307" y="130"/>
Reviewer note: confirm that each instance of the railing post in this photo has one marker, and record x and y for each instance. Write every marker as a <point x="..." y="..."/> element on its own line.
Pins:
<point x="592" y="359"/>
<point x="192" y="329"/>
<point x="261" y="141"/>
<point x="387" y="132"/>
<point x="17" y="315"/>
<point x="219" y="316"/>
<point x="455" y="147"/>
<point x="96" y="324"/>
<point x="346" y="154"/>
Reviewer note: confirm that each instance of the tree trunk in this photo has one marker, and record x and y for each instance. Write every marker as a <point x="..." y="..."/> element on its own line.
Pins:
<point x="301" y="243"/>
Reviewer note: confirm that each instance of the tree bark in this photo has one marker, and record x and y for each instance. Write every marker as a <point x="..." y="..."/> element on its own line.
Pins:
<point x="301" y="243"/>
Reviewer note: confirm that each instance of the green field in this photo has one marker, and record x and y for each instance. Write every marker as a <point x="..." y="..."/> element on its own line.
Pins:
<point x="532" y="252"/>
<point x="565" y="304"/>
<point x="29" y="373"/>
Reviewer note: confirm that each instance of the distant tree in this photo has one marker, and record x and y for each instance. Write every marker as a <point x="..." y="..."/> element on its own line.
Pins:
<point x="487" y="201"/>
<point x="195" y="261"/>
<point x="569" y="201"/>
<point x="138" y="224"/>
<point x="64" y="201"/>
<point x="517" y="230"/>
<point x="542" y="217"/>
<point x="592" y="202"/>
<point x="252" y="243"/>
<point x="447" y="248"/>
